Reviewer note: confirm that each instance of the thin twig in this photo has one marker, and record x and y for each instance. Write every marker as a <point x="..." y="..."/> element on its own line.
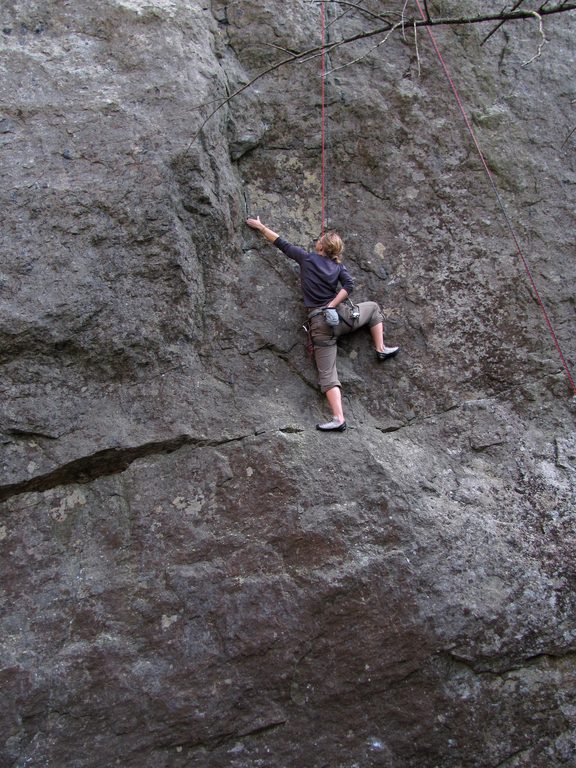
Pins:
<point x="361" y="9"/>
<point x="403" y="17"/>
<point x="336" y="19"/>
<point x="280" y="48"/>
<point x="566" y="140"/>
<point x="501" y="24"/>
<point x="416" y="48"/>
<point x="368" y="52"/>
<point x="542" y="42"/>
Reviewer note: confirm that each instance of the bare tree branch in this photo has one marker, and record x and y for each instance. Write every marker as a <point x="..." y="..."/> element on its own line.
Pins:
<point x="503" y="16"/>
<point x="500" y="16"/>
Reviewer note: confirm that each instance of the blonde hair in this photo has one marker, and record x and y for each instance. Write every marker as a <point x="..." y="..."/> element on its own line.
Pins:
<point x="332" y="246"/>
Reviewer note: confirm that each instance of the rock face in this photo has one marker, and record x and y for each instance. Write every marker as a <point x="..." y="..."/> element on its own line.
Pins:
<point x="192" y="575"/>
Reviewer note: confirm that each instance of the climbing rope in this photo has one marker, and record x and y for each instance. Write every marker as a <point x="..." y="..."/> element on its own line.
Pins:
<point x="323" y="118"/>
<point x="499" y="199"/>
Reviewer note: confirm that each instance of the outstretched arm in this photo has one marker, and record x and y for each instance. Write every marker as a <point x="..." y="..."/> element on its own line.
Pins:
<point x="268" y="233"/>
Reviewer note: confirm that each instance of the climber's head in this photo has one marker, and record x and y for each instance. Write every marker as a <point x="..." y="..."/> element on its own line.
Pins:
<point x="331" y="246"/>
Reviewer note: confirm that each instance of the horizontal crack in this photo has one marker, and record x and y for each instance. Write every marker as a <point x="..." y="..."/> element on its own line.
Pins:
<point x="497" y="668"/>
<point x="109" y="461"/>
<point x="271" y="726"/>
<point x="17" y="432"/>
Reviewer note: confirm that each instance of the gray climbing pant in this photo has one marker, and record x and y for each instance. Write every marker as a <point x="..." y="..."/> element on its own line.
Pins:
<point x="325" y="337"/>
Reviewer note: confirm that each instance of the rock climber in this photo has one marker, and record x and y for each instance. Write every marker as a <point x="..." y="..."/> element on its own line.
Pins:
<point x="326" y="285"/>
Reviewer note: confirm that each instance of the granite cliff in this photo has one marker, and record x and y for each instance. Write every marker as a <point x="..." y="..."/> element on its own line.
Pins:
<point x="192" y="576"/>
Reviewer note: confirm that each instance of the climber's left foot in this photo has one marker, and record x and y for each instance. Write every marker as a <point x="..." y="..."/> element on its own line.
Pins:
<point x="388" y="352"/>
<point x="332" y="426"/>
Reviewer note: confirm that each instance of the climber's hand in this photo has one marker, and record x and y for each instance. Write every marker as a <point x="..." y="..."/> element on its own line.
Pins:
<point x="255" y="223"/>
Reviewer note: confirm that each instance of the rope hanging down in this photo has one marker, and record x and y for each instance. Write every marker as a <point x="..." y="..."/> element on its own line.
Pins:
<point x="323" y="120"/>
<point x="499" y="199"/>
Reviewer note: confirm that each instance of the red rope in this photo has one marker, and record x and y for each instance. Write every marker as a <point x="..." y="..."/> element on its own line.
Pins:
<point x="323" y="130"/>
<point x="500" y="202"/>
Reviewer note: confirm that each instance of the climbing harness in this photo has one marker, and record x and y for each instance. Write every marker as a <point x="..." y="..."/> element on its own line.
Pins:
<point x="498" y="198"/>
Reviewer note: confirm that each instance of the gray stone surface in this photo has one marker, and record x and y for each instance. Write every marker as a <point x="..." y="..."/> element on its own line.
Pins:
<point x="192" y="576"/>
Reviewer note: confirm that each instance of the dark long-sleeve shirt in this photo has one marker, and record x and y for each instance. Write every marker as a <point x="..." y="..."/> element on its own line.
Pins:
<point x="319" y="275"/>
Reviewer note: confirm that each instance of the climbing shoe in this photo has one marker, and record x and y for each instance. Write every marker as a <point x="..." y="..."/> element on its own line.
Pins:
<point x="388" y="352"/>
<point x="332" y="426"/>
